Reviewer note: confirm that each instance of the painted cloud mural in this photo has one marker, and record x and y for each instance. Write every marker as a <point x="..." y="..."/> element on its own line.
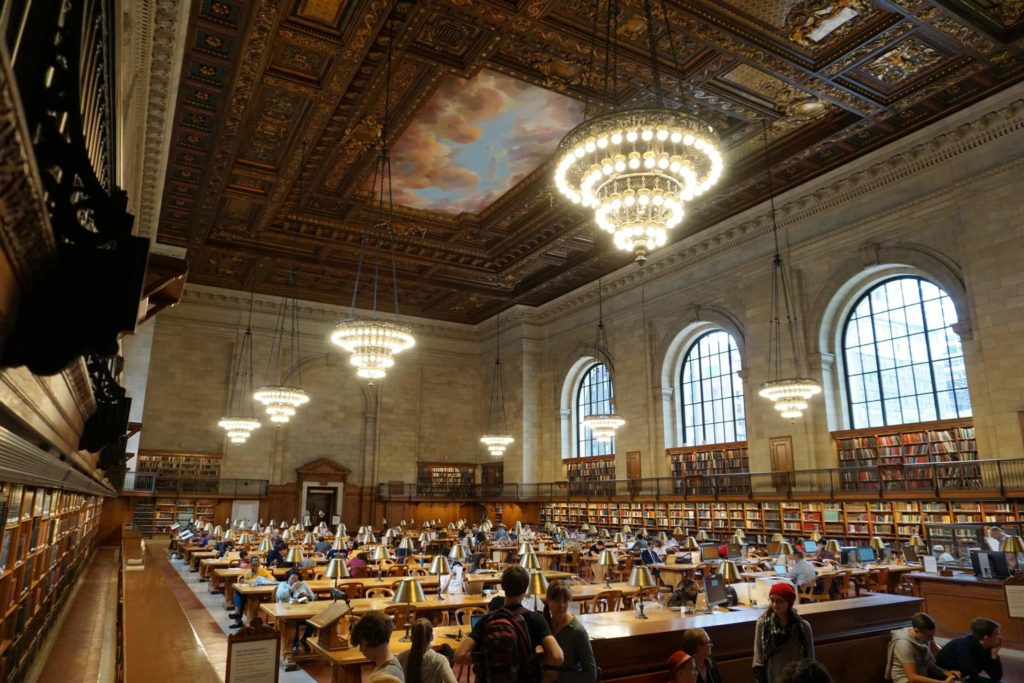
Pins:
<point x="475" y="139"/>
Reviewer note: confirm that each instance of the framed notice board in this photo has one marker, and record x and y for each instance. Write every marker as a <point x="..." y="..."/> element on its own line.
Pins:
<point x="253" y="654"/>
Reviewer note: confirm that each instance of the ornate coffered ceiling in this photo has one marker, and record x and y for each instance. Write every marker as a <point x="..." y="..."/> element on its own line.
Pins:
<point x="279" y="103"/>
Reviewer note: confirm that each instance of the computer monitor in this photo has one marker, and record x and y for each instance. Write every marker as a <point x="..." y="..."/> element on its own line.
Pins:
<point x="714" y="588"/>
<point x="988" y="564"/>
<point x="910" y="553"/>
<point x="848" y="554"/>
<point x="734" y="551"/>
<point x="866" y="553"/>
<point x="709" y="552"/>
<point x="810" y="547"/>
<point x="475" y="619"/>
<point x="780" y="569"/>
<point x="773" y="548"/>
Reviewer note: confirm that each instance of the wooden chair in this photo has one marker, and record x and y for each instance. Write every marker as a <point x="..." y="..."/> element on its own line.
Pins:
<point x="401" y="614"/>
<point x="877" y="581"/>
<point x="416" y="571"/>
<point x="463" y="617"/>
<point x="379" y="592"/>
<point x="359" y="572"/>
<point x="352" y="590"/>
<point x="824" y="582"/>
<point x="846" y="585"/>
<point x="608" y="601"/>
<point x="387" y="566"/>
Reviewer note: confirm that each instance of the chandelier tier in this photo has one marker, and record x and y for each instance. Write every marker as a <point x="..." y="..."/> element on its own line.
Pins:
<point x="240" y="422"/>
<point x="603" y="426"/>
<point x="636" y="170"/>
<point x="373" y="343"/>
<point x="497" y="438"/>
<point x="790" y="395"/>
<point x="281" y="401"/>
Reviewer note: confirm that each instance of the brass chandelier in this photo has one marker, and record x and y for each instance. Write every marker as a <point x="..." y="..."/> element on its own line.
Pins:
<point x="497" y="438"/>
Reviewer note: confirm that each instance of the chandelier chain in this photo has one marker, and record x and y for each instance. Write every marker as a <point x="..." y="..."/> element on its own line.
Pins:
<point x="653" y="49"/>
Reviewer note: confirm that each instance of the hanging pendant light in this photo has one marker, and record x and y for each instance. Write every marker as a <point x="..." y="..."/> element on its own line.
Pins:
<point x="636" y="169"/>
<point x="372" y="341"/>
<point x="604" y="425"/>
<point x="497" y="438"/>
<point x="240" y="421"/>
<point x="282" y="400"/>
<point x="791" y="394"/>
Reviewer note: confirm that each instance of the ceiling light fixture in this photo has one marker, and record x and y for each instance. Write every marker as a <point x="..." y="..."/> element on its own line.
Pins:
<point x="604" y="425"/>
<point x="497" y="438"/>
<point x="636" y="169"/>
<point x="240" y="421"/>
<point x="282" y="399"/>
<point x="372" y="341"/>
<point x="790" y="395"/>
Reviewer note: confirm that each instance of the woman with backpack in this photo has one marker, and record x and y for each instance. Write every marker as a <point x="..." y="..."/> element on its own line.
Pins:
<point x="420" y="663"/>
<point x="781" y="636"/>
<point x="578" y="665"/>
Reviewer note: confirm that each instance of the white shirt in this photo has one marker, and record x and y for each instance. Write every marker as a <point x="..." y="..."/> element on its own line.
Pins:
<point x="802" y="573"/>
<point x="454" y="584"/>
<point x="992" y="543"/>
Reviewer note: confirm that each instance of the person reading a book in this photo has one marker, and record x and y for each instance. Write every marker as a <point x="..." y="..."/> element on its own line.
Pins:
<point x="294" y="590"/>
<point x="256" y="575"/>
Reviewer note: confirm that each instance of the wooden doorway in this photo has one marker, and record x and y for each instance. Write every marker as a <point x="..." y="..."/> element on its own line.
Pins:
<point x="633" y="470"/>
<point x="781" y="450"/>
<point x="321" y="499"/>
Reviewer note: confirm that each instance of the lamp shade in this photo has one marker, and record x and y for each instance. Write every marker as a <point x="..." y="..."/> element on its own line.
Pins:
<point x="339" y="543"/>
<point x="255" y="528"/>
<point x="380" y="553"/>
<point x="218" y="530"/>
<point x="525" y="549"/>
<point x="737" y="540"/>
<point x="691" y="544"/>
<point x="1012" y="544"/>
<point x="604" y="534"/>
<point x="341" y="530"/>
<point x="245" y="539"/>
<point x="538" y="584"/>
<point x="439" y="565"/>
<point x="269" y="530"/>
<point x="408" y="591"/>
<point x="729" y="571"/>
<point x="230" y="535"/>
<point x="626" y="529"/>
<point x="833" y="546"/>
<point x="264" y="547"/>
<point x="640" y="577"/>
<point x="308" y="539"/>
<point x="740" y="533"/>
<point x="778" y="538"/>
<point x="295" y="555"/>
<point x="702" y="535"/>
<point x="337" y="569"/>
<point x="816" y="536"/>
<point x="406" y="544"/>
<point x="915" y="541"/>
<point x="618" y="539"/>
<point x="284" y="524"/>
<point x="273" y="522"/>
<point x="530" y="561"/>
<point x="678" y="531"/>
<point x="286" y="535"/>
<point x="424" y="537"/>
<point x="663" y="537"/>
<point x="785" y="548"/>
<point x="877" y="543"/>
<point x="458" y="552"/>
<point x="607" y="559"/>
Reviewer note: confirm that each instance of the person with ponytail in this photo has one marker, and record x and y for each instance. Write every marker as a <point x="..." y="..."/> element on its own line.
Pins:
<point x="578" y="665"/>
<point x="420" y="663"/>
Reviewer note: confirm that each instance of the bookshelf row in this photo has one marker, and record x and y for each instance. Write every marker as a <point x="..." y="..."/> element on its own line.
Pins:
<point x="172" y="464"/>
<point x="445" y="475"/>
<point x="168" y="511"/>
<point x="693" y="461"/>
<point x="592" y="475"/>
<point x="855" y="520"/>
<point x="47" y="538"/>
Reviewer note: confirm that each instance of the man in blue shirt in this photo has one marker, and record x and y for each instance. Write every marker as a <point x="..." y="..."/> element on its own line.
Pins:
<point x="976" y="653"/>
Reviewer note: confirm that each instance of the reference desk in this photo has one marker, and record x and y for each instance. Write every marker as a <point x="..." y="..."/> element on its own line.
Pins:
<point x="850" y="637"/>
<point x="954" y="600"/>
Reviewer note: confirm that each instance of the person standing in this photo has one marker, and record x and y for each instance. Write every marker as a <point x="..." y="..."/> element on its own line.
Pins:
<point x="697" y="644"/>
<point x="910" y="658"/>
<point x="781" y="635"/>
<point x="975" y="653"/>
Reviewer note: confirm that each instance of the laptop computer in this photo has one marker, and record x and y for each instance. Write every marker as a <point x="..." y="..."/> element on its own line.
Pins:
<point x="780" y="569"/>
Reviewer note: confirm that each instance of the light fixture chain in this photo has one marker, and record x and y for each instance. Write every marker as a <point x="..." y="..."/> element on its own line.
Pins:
<point x="653" y="48"/>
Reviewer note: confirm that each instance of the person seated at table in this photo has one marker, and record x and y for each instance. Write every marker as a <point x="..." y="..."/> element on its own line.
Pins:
<point x="681" y="668"/>
<point x="205" y="540"/>
<point x="805" y="671"/>
<point x="910" y="658"/>
<point x="939" y="551"/>
<point x="802" y="572"/>
<point x="332" y="553"/>
<point x="223" y="547"/>
<point x="372" y="635"/>
<point x="501" y="533"/>
<point x="975" y="653"/>
<point x="685" y="594"/>
<point x="697" y="644"/>
<point x="823" y="553"/>
<point x="243" y="559"/>
<point x="453" y="583"/>
<point x="276" y="554"/>
<point x="781" y="636"/>
<point x="322" y="546"/>
<point x="256" y="575"/>
<point x="402" y="553"/>
<point x="478" y="563"/>
<point x="672" y="546"/>
<point x="578" y="664"/>
<point x="295" y="590"/>
<point x="641" y="541"/>
<point x="357" y="565"/>
<point x="422" y="664"/>
<point x="596" y="548"/>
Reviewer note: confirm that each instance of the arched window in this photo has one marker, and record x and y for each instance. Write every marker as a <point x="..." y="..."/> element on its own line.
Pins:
<point x="593" y="397"/>
<point x="903" y="361"/>
<point x="712" y="391"/>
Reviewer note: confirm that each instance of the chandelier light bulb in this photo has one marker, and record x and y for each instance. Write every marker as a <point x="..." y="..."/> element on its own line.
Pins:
<point x="790" y="396"/>
<point x="603" y="426"/>
<point x="636" y="169"/>
<point x="281" y="401"/>
<point x="497" y="443"/>
<point x="239" y="429"/>
<point x="373" y="344"/>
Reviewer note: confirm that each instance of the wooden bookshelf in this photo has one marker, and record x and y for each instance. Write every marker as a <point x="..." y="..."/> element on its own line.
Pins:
<point x="907" y="454"/>
<point x="451" y="476"/>
<point x="590" y="476"/>
<point x="174" y="464"/>
<point x="709" y="460"/>
<point x="851" y="522"/>
<point x="168" y="511"/>
<point x="48" y="535"/>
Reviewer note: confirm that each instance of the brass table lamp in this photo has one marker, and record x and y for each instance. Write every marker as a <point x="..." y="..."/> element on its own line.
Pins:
<point x="438" y="566"/>
<point x="337" y="569"/>
<point x="607" y="559"/>
<point x="641" y="578"/>
<point x="408" y="591"/>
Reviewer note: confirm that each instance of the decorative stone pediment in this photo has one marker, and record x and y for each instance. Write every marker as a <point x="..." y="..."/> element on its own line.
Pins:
<point x="322" y="470"/>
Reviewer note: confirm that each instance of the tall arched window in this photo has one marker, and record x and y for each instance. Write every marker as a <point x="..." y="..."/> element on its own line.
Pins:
<point x="903" y="361"/>
<point x="712" y="391"/>
<point x="593" y="397"/>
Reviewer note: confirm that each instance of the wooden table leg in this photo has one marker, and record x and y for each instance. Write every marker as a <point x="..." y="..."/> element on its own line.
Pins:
<point x="252" y="607"/>
<point x="229" y="595"/>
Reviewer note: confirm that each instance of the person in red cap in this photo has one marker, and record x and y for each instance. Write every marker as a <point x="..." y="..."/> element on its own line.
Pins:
<point x="781" y="636"/>
<point x="682" y="667"/>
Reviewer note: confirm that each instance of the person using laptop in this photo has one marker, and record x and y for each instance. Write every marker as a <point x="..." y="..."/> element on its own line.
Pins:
<point x="802" y="572"/>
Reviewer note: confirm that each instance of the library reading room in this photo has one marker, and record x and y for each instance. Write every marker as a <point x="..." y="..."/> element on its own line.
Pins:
<point x="512" y="341"/>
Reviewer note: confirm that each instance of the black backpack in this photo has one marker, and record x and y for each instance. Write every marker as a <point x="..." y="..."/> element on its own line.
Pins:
<point x="504" y="653"/>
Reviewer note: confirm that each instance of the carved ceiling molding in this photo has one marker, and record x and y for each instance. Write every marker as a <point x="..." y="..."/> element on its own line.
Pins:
<point x="156" y="35"/>
<point x="984" y="130"/>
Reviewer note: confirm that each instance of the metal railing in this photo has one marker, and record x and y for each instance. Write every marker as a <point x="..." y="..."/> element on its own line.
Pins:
<point x="145" y="482"/>
<point x="994" y="478"/>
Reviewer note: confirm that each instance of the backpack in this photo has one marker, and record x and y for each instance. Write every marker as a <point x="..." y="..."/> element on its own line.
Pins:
<point x="504" y="653"/>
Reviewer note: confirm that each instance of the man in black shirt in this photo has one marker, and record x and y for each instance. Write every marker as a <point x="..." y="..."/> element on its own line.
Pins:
<point x="514" y="581"/>
<point x="596" y="548"/>
<point x="975" y="653"/>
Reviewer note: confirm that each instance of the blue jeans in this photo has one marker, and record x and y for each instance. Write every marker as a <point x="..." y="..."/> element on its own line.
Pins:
<point x="239" y="603"/>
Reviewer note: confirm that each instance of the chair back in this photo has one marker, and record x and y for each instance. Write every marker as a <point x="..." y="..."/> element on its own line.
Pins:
<point x="379" y="592"/>
<point x="608" y="601"/>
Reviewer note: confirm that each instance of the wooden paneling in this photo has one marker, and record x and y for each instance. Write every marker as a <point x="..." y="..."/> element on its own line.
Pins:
<point x="116" y="512"/>
<point x="954" y="600"/>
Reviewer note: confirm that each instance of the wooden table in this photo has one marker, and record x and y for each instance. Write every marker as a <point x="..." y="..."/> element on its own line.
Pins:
<point x="954" y="600"/>
<point x="197" y="556"/>
<point x="674" y="574"/>
<point x="896" y="573"/>
<point x="549" y="559"/>
<point x="208" y="564"/>
<point x="589" y="591"/>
